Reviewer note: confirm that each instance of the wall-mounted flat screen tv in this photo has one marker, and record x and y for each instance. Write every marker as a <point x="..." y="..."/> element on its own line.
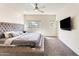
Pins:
<point x="65" y="24"/>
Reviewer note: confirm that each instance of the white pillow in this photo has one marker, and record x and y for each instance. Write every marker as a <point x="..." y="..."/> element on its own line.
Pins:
<point x="7" y="34"/>
<point x="15" y="34"/>
<point x="19" y="32"/>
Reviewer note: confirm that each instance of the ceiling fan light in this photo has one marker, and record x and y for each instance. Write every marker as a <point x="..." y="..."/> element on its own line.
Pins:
<point x="36" y="10"/>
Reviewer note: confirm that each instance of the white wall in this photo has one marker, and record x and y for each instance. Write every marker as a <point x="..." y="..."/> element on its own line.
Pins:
<point x="10" y="14"/>
<point x="46" y="28"/>
<point x="11" y="18"/>
<point x="70" y="38"/>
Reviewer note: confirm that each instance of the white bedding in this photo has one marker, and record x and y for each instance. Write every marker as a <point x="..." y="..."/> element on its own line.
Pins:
<point x="33" y="37"/>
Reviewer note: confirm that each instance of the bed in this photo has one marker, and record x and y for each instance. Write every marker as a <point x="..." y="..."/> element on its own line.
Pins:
<point x="31" y="44"/>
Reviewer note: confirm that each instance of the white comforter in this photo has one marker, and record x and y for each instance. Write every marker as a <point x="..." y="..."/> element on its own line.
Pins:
<point x="35" y="37"/>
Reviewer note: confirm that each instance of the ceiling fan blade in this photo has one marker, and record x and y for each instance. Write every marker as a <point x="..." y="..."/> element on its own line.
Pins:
<point x="33" y="5"/>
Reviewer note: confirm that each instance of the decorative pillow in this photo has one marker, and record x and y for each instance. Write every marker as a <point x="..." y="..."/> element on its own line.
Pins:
<point x="2" y="36"/>
<point x="8" y="34"/>
<point x="14" y="34"/>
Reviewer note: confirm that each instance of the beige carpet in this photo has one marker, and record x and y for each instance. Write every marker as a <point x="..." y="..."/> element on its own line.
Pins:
<point x="54" y="47"/>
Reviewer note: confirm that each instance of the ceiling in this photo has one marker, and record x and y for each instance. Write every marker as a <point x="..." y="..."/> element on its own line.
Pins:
<point x="27" y="8"/>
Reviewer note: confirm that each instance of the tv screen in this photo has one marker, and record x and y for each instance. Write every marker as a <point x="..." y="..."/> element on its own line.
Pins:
<point x="65" y="24"/>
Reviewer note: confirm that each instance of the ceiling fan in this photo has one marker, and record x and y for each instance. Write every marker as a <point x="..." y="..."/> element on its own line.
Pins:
<point x="36" y="8"/>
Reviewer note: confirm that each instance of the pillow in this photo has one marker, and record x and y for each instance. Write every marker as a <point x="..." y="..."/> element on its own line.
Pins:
<point x="19" y="32"/>
<point x="14" y="34"/>
<point x="2" y="36"/>
<point x="8" y="34"/>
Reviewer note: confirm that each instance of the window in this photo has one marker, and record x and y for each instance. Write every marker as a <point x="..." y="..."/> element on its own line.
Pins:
<point x="33" y="24"/>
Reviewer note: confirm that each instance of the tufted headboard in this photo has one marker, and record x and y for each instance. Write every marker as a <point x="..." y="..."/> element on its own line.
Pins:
<point x="10" y="27"/>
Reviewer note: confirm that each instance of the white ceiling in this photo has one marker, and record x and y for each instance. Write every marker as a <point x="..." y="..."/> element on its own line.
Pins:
<point x="27" y="8"/>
